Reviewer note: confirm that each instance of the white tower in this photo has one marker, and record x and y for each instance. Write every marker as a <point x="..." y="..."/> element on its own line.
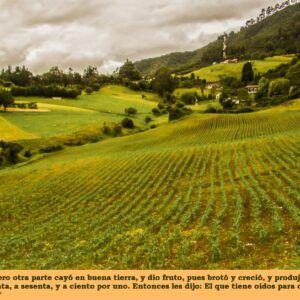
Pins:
<point x="225" y="47"/>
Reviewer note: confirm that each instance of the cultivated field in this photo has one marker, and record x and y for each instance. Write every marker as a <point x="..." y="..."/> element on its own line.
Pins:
<point x="209" y="191"/>
<point x="213" y="73"/>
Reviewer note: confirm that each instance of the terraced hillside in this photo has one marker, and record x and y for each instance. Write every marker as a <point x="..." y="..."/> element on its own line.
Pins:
<point x="210" y="191"/>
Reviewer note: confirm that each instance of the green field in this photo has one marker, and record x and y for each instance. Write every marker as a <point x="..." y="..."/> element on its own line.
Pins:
<point x="205" y="192"/>
<point x="105" y="106"/>
<point x="213" y="73"/>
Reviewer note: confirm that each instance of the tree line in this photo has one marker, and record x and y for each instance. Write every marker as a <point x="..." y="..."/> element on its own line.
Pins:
<point x="270" y="10"/>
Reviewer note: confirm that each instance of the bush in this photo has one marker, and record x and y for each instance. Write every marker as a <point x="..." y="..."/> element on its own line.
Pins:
<point x="156" y="111"/>
<point x="27" y="153"/>
<point x="210" y="110"/>
<point x="177" y="113"/>
<point x="189" y="98"/>
<point x="294" y="92"/>
<point x="96" y="87"/>
<point x="117" y="129"/>
<point x="148" y="119"/>
<point x="89" y="90"/>
<point x="10" y="152"/>
<point x="179" y="104"/>
<point x="245" y="110"/>
<point x="279" y="86"/>
<point x="130" y="111"/>
<point x="51" y="148"/>
<point x="161" y="105"/>
<point x="106" y="129"/>
<point x="127" y="123"/>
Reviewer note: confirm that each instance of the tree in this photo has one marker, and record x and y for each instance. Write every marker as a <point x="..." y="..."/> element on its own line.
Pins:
<point x="293" y="74"/>
<point x="202" y="86"/>
<point x="279" y="86"/>
<point x="129" y="71"/>
<point x="263" y="87"/>
<point x="6" y="98"/>
<point x="163" y="81"/>
<point x="247" y="73"/>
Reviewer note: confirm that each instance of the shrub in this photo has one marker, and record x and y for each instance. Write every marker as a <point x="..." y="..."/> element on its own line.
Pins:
<point x="245" y="110"/>
<point x="294" y="92"/>
<point x="10" y="152"/>
<point x="161" y="105"/>
<point x="177" y="113"/>
<point x="210" y="110"/>
<point x="130" y="111"/>
<point x="96" y="86"/>
<point x="117" y="129"/>
<point x="179" y="104"/>
<point x="189" y="98"/>
<point x="156" y="111"/>
<point x="27" y="153"/>
<point x="106" y="129"/>
<point x="127" y="123"/>
<point x="89" y="90"/>
<point x="148" y="119"/>
<point x="51" y="148"/>
<point x="280" y="86"/>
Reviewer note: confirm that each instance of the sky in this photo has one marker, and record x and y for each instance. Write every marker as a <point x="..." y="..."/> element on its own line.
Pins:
<point x="104" y="33"/>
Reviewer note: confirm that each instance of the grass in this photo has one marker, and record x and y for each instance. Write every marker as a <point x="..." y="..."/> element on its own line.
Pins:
<point x="11" y="132"/>
<point x="213" y="73"/>
<point x="180" y="91"/>
<point x="105" y="106"/>
<point x="205" y="192"/>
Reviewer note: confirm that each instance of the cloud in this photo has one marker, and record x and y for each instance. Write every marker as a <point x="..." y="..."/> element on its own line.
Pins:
<point x="76" y="33"/>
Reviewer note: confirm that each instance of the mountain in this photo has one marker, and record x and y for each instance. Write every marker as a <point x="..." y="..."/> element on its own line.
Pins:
<point x="275" y="35"/>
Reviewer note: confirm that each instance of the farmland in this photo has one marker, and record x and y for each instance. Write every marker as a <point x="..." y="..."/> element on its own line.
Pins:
<point x="205" y="192"/>
<point x="105" y="106"/>
<point x="213" y="73"/>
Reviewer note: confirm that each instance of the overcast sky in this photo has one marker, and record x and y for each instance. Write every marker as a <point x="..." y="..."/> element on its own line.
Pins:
<point x="103" y="33"/>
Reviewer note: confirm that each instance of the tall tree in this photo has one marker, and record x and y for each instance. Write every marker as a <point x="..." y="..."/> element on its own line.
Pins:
<point x="163" y="81"/>
<point x="129" y="71"/>
<point x="6" y="98"/>
<point x="247" y="73"/>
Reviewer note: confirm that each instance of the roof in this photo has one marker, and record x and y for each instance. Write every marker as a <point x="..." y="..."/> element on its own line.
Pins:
<point x="252" y="86"/>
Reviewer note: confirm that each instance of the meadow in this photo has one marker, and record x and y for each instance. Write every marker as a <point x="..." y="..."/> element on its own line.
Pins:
<point x="213" y="73"/>
<point x="205" y="192"/>
<point x="105" y="106"/>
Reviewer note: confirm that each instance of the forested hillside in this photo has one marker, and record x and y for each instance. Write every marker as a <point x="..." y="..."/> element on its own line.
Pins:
<point x="274" y="35"/>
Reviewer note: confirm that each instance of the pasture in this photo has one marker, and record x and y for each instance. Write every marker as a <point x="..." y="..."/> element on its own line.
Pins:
<point x="105" y="106"/>
<point x="205" y="192"/>
<point x="213" y="73"/>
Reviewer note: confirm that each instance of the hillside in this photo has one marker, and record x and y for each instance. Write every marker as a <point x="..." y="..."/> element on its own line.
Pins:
<point x="213" y="73"/>
<point x="209" y="191"/>
<point x="276" y="35"/>
<point x="104" y="106"/>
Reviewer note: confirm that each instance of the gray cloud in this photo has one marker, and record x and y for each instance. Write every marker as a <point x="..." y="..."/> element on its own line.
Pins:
<point x="75" y="33"/>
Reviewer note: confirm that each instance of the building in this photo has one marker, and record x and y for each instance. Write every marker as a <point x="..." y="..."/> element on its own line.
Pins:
<point x="252" y="88"/>
<point x="231" y="61"/>
<point x="213" y="86"/>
